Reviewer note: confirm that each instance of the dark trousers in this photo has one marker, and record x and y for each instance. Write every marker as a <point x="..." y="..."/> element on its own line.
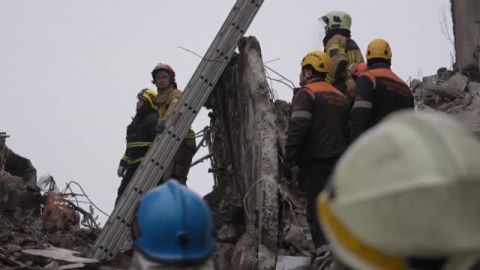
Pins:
<point x="125" y="180"/>
<point x="314" y="177"/>
<point x="180" y="166"/>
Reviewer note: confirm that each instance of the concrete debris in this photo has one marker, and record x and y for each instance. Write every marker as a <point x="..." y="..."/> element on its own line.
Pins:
<point x="248" y="134"/>
<point x="228" y="234"/>
<point x="13" y="248"/>
<point x="453" y="88"/>
<point x="59" y="254"/>
<point x="291" y="262"/>
<point x="414" y="84"/>
<point x="246" y="250"/>
<point x="266" y="258"/>
<point x="222" y="257"/>
<point x="450" y="93"/>
<point x="72" y="266"/>
<point x="296" y="236"/>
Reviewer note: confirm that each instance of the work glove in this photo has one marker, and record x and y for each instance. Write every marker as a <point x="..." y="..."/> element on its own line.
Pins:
<point x="121" y="171"/>
<point x="161" y="127"/>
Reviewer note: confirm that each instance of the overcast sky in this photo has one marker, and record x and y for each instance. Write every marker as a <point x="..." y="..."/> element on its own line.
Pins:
<point x="71" y="69"/>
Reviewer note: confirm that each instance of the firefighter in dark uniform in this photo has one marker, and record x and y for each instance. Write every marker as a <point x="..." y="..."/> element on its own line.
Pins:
<point x="379" y="91"/>
<point x="341" y="48"/>
<point x="140" y="135"/>
<point x="317" y="132"/>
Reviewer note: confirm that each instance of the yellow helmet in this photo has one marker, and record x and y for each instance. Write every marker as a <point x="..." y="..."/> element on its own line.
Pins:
<point x="319" y="60"/>
<point x="408" y="188"/>
<point x="148" y="95"/>
<point x="337" y="20"/>
<point x="379" y="48"/>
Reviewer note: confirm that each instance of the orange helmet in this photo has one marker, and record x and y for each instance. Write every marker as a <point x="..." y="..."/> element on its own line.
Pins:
<point x="357" y="69"/>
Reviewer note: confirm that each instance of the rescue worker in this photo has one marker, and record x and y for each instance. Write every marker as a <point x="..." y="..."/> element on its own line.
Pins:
<point x="341" y="48"/>
<point x="405" y="196"/>
<point x="317" y="133"/>
<point x="16" y="164"/>
<point x="168" y="95"/>
<point x="178" y="235"/>
<point x="379" y="91"/>
<point x="140" y="135"/>
<point x="355" y="70"/>
<point x="18" y="180"/>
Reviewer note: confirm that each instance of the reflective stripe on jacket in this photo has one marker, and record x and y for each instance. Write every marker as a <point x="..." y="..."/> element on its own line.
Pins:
<point x="318" y="126"/>
<point x="379" y="92"/>
<point x="140" y="135"/>
<point x="166" y="101"/>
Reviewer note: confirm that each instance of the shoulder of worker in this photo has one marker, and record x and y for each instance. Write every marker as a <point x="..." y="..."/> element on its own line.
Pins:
<point x="321" y="87"/>
<point x="174" y="95"/>
<point x="338" y="40"/>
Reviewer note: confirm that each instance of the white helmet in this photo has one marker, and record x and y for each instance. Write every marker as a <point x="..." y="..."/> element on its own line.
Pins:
<point x="409" y="188"/>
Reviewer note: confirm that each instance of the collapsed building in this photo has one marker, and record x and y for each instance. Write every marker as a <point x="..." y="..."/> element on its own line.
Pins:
<point x="260" y="219"/>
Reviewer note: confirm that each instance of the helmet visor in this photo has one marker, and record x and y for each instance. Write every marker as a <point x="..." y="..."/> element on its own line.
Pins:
<point x="323" y="21"/>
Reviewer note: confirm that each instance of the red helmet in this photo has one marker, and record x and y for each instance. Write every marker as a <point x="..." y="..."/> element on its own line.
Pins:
<point x="168" y="68"/>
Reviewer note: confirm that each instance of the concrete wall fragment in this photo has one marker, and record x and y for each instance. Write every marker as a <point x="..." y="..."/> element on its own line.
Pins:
<point x="245" y="144"/>
<point x="466" y="28"/>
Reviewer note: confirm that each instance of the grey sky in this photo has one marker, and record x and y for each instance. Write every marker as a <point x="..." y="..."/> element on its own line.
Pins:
<point x="71" y="69"/>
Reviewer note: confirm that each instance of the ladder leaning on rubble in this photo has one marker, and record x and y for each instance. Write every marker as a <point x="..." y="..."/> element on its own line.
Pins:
<point x="165" y="145"/>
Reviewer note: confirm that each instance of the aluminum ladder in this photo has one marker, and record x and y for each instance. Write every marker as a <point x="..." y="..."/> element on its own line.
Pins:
<point x="163" y="148"/>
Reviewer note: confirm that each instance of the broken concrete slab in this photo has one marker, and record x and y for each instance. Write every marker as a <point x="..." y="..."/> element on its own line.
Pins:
<point x="454" y="88"/>
<point x="222" y="257"/>
<point x="266" y="131"/>
<point x="72" y="266"/>
<point x="228" y="234"/>
<point x="245" y="253"/>
<point x="414" y="84"/>
<point x="294" y="235"/>
<point x="474" y="88"/>
<point x="59" y="254"/>
<point x="13" y="248"/>
<point x="266" y="258"/>
<point x="291" y="262"/>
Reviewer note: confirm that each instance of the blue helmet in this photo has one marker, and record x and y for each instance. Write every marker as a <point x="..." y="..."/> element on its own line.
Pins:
<point x="173" y="223"/>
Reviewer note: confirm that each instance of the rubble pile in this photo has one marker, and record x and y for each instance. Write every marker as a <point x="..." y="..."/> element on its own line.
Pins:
<point x="455" y="93"/>
<point x="21" y="231"/>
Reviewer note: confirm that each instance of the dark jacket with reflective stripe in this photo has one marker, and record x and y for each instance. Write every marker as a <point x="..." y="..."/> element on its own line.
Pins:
<point x="140" y="134"/>
<point x="379" y="92"/>
<point x="318" y="127"/>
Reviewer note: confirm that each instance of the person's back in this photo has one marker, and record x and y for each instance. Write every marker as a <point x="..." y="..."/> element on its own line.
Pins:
<point x="379" y="91"/>
<point x="328" y="132"/>
<point x="390" y="93"/>
<point x="341" y="48"/>
<point x="317" y="133"/>
<point x="173" y="229"/>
